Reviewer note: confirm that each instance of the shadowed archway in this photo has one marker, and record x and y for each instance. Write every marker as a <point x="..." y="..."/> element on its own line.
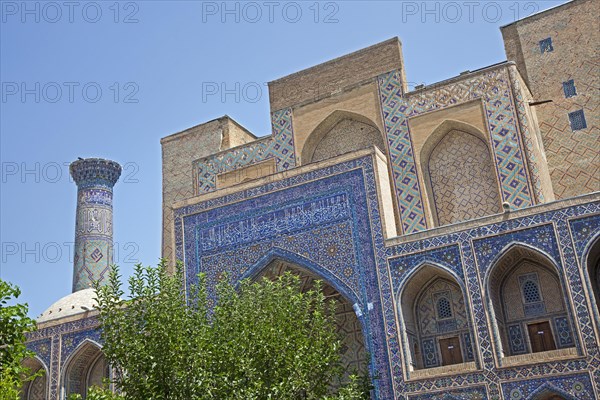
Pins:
<point x="353" y="350"/>
<point x="86" y="367"/>
<point x="35" y="389"/>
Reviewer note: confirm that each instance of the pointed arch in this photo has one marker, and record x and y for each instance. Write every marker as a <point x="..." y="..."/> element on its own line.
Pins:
<point x="526" y="315"/>
<point x="341" y="132"/>
<point x="36" y="389"/>
<point x="435" y="337"/>
<point x="459" y="173"/>
<point x="591" y="266"/>
<point x="550" y="392"/>
<point x="85" y="367"/>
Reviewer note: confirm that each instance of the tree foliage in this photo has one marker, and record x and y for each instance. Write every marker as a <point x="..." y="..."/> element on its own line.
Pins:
<point x="14" y="324"/>
<point x="263" y="340"/>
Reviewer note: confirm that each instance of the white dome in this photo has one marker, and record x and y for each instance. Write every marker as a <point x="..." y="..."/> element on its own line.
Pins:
<point x="75" y="303"/>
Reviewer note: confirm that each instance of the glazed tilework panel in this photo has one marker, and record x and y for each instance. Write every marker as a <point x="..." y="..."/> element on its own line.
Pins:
<point x="280" y="146"/>
<point x="494" y="88"/>
<point x="584" y="231"/>
<point x="526" y="124"/>
<point x="62" y="340"/>
<point x="471" y="253"/>
<point x="563" y="332"/>
<point x="572" y="387"/>
<point x="325" y="220"/>
<point x="516" y="340"/>
<point x="71" y="341"/>
<point x="472" y="393"/>
<point x="42" y="349"/>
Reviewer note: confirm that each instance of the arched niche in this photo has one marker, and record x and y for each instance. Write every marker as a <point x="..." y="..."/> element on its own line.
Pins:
<point x="36" y="389"/>
<point x="87" y="367"/>
<point x="341" y="132"/>
<point x="459" y="173"/>
<point x="437" y="327"/>
<point x="593" y="270"/>
<point x="353" y="349"/>
<point x="526" y="298"/>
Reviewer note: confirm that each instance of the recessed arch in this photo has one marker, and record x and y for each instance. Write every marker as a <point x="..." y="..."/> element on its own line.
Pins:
<point x="354" y="354"/>
<point x="526" y="315"/>
<point x="459" y="173"/>
<point x="435" y="337"/>
<point x="550" y="392"/>
<point x="341" y="132"/>
<point x="85" y="367"/>
<point x="36" y="389"/>
<point x="591" y="265"/>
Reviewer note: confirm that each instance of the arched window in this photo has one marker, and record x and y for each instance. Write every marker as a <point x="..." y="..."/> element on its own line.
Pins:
<point x="436" y="323"/>
<point x="459" y="174"/>
<point x="526" y="295"/>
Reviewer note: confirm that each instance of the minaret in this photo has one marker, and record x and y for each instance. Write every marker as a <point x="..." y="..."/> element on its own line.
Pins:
<point x="93" y="251"/>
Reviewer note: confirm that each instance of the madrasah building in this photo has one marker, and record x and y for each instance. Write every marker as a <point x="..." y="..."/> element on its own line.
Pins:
<point x="457" y="223"/>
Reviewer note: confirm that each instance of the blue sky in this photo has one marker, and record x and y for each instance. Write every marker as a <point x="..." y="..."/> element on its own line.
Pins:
<point x="109" y="79"/>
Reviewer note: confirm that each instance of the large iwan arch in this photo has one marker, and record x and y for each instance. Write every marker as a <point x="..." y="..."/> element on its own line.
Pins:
<point x="354" y="354"/>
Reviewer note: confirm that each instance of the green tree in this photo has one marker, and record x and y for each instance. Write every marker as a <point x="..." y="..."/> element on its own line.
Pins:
<point x="14" y="324"/>
<point x="263" y="340"/>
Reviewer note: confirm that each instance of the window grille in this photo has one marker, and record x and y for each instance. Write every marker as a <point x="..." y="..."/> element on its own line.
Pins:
<point x="569" y="88"/>
<point x="444" y="309"/>
<point x="577" y="119"/>
<point x="546" y="45"/>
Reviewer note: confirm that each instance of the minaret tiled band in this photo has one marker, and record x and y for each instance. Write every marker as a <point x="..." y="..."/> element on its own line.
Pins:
<point x="93" y="256"/>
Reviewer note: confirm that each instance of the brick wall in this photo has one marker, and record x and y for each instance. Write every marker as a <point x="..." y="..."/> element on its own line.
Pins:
<point x="574" y="29"/>
<point x="331" y="76"/>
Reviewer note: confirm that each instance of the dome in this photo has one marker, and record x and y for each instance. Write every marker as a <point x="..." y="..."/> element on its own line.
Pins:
<point x="73" y="304"/>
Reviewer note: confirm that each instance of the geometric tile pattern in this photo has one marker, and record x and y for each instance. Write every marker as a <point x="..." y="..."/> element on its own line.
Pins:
<point x="430" y="353"/>
<point x="563" y="332"/>
<point x="462" y="179"/>
<point x="408" y="192"/>
<point x="516" y="339"/>
<point x="468" y="346"/>
<point x="62" y="339"/>
<point x="280" y="146"/>
<point x="93" y="251"/>
<point x="526" y="129"/>
<point x="472" y="393"/>
<point x="493" y="86"/>
<point x="42" y="349"/>
<point x="571" y="387"/>
<point x="318" y="220"/>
